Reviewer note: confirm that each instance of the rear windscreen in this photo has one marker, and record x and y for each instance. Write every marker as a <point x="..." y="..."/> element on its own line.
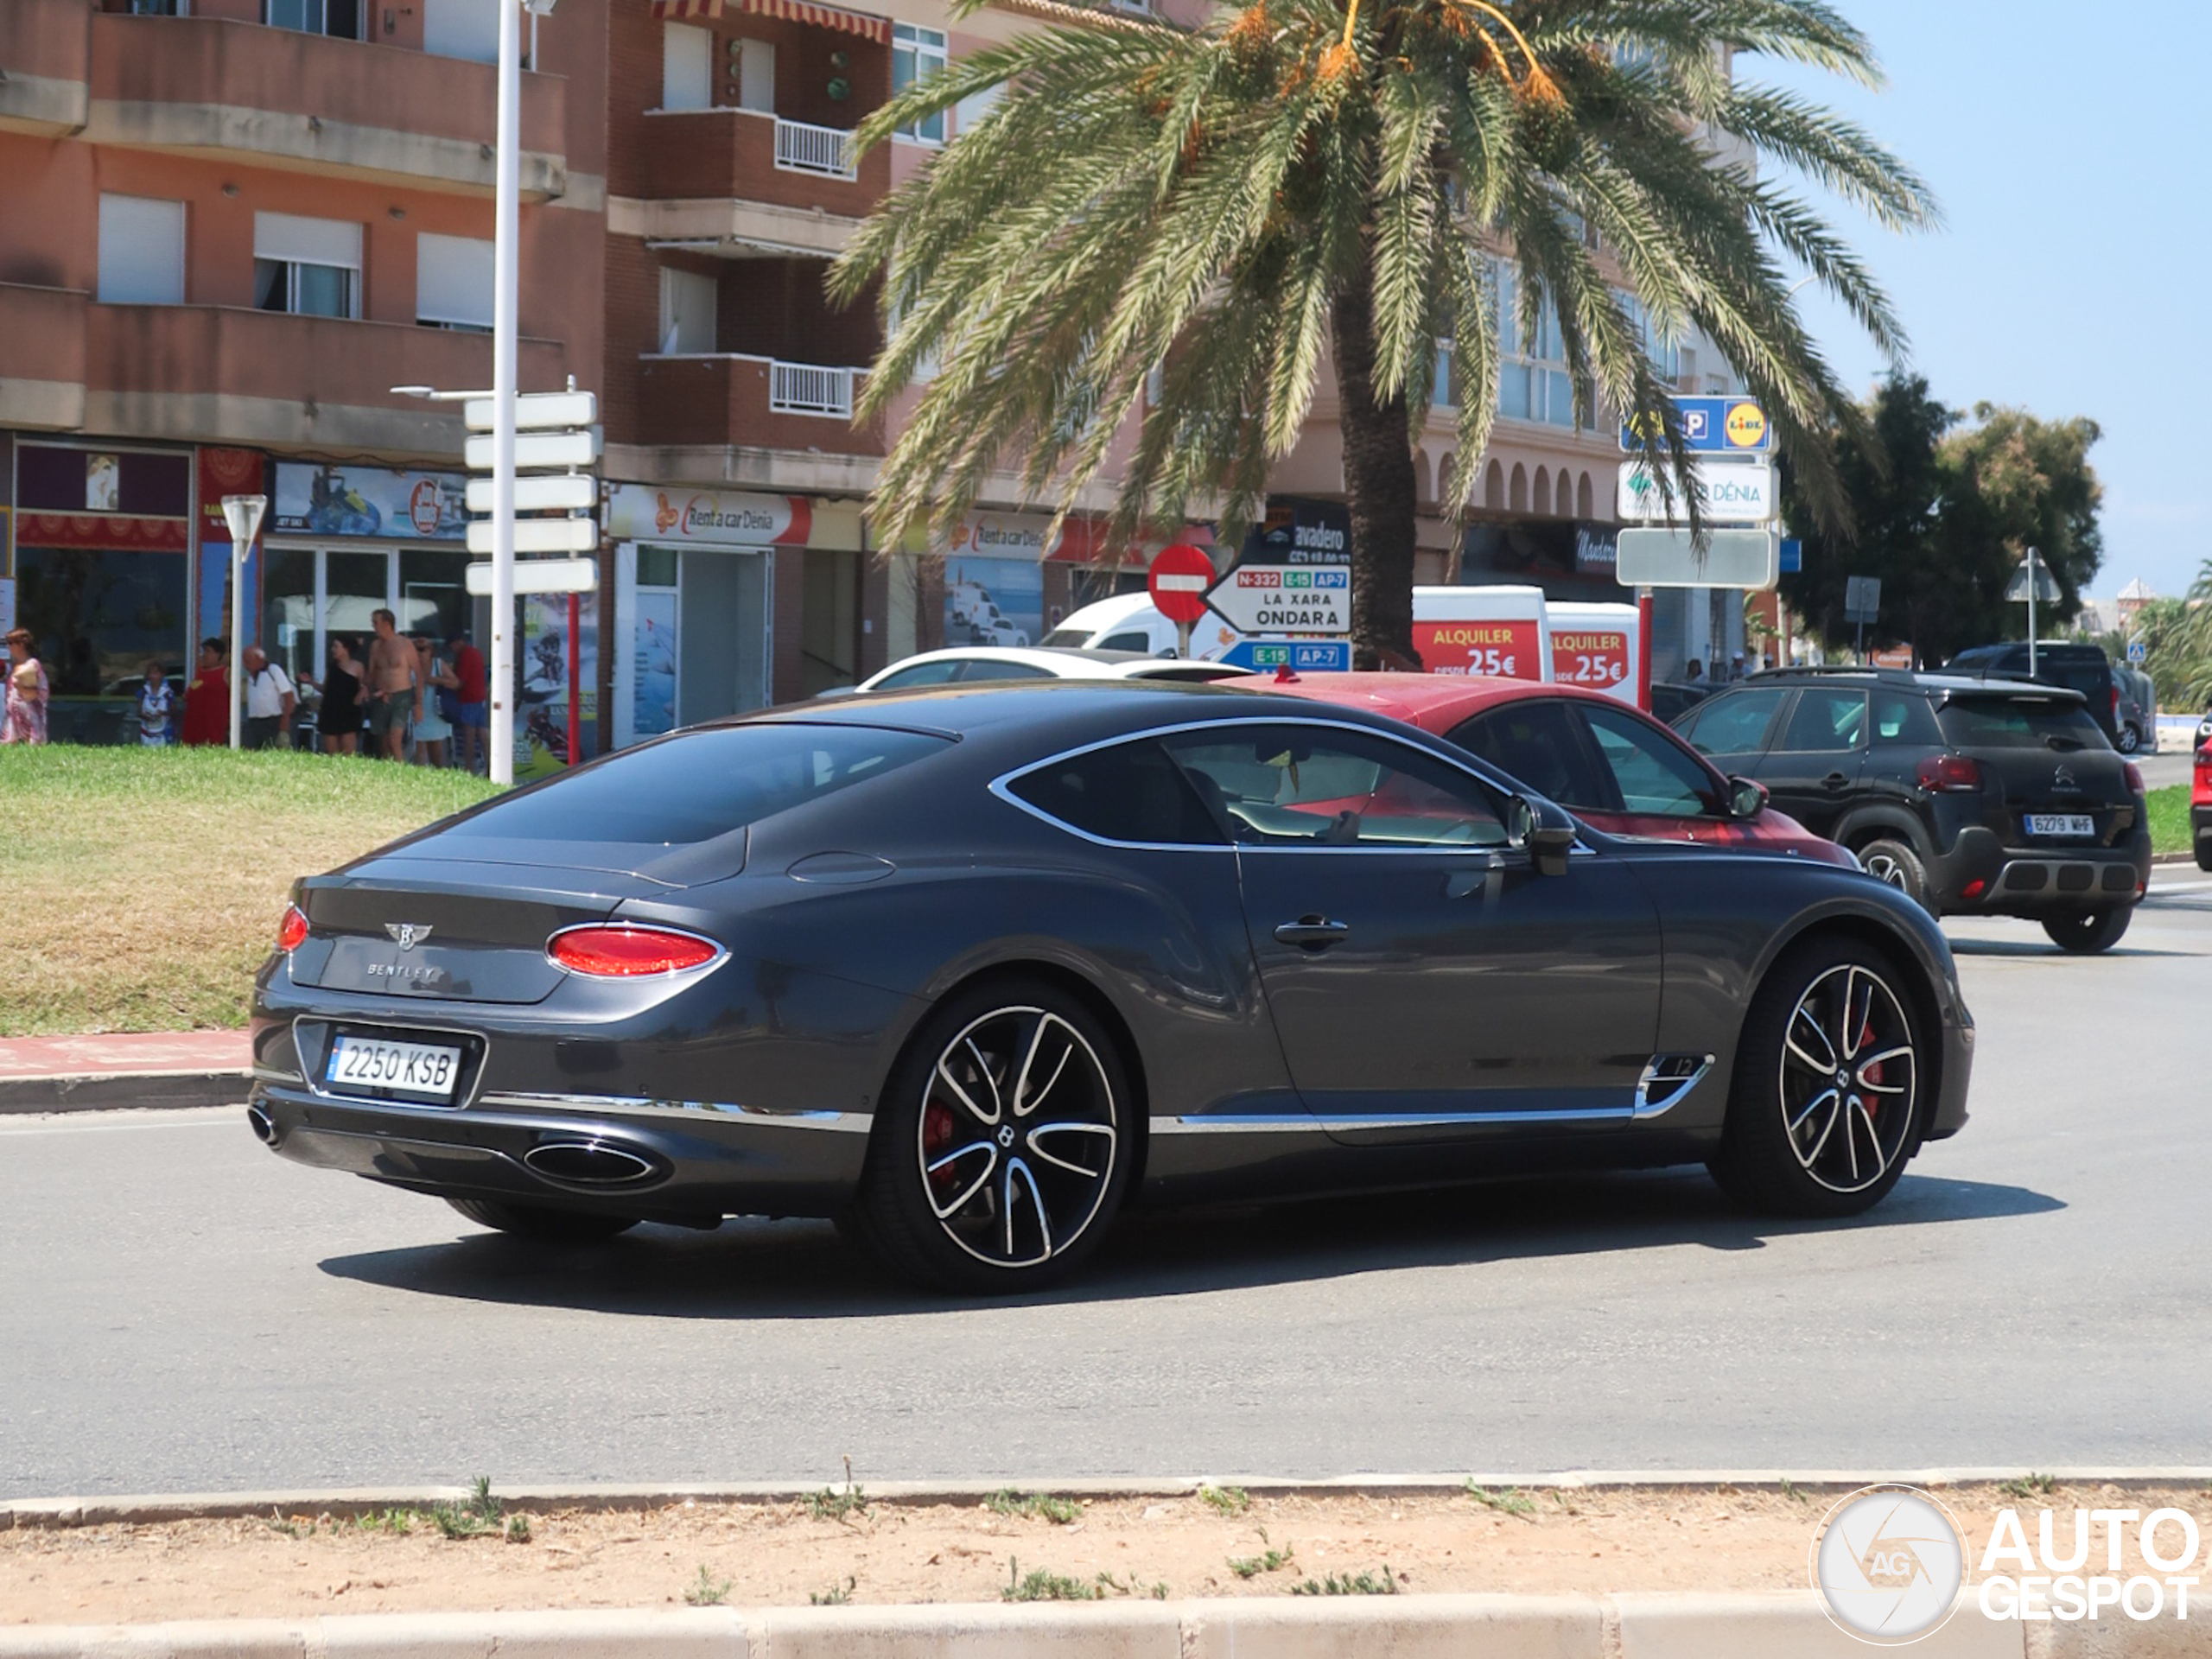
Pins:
<point x="700" y="784"/>
<point x="2019" y="723"/>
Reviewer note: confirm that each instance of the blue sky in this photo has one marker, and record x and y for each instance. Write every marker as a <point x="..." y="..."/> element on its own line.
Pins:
<point x="2067" y="145"/>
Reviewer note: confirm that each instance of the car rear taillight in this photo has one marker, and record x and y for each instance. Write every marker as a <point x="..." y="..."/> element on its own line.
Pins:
<point x="614" y="951"/>
<point x="1946" y="773"/>
<point x="292" y="932"/>
<point x="2135" y="777"/>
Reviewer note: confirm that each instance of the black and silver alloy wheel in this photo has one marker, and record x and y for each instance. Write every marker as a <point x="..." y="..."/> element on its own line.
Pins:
<point x="1830" y="1087"/>
<point x="1848" y="1079"/>
<point x="1017" y="1136"/>
<point x="1002" y="1144"/>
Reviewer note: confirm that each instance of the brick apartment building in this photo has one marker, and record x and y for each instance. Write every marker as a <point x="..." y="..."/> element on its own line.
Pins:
<point x="228" y="227"/>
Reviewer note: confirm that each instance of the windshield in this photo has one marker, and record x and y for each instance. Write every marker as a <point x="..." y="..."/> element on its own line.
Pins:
<point x="696" y="785"/>
<point x="2017" y="723"/>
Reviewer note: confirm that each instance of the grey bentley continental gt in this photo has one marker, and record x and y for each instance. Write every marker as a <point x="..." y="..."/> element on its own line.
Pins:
<point x="971" y="970"/>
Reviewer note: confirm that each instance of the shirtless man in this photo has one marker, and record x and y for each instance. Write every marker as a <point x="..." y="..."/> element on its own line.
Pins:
<point x="395" y="687"/>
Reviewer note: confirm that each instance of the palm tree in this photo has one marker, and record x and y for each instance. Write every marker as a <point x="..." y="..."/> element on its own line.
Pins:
<point x="1229" y="204"/>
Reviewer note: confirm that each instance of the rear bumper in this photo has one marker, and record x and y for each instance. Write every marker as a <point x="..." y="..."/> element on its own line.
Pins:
<point x="2200" y="826"/>
<point x="2017" y="881"/>
<point x="691" y="1162"/>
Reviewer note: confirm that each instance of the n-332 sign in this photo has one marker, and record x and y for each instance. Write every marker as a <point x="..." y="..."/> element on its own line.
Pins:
<point x="1285" y="598"/>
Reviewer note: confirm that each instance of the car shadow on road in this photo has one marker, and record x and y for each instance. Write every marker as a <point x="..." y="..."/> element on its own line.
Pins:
<point x="753" y="1270"/>
<point x="2052" y="953"/>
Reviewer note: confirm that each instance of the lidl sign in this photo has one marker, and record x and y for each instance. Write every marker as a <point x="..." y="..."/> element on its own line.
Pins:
<point x="1714" y="426"/>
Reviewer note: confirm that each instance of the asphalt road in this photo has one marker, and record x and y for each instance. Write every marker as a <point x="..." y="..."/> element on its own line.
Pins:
<point x="180" y="1311"/>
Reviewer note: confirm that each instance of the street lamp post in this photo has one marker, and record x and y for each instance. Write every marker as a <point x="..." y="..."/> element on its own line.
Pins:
<point x="243" y="514"/>
<point x="505" y="234"/>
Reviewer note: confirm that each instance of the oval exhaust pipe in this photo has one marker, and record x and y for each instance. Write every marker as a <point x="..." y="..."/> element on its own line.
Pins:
<point x="263" y="1126"/>
<point x="588" y="1163"/>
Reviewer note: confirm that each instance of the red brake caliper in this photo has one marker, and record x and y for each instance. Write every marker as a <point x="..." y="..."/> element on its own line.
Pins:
<point x="936" y="1135"/>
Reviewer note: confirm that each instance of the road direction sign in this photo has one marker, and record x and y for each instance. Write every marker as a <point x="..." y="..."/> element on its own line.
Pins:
<point x="539" y="576"/>
<point x="1668" y="558"/>
<point x="536" y="411"/>
<point x="1732" y="492"/>
<point x="1714" y="426"/>
<point x="537" y="449"/>
<point x="539" y="536"/>
<point x="1177" y="581"/>
<point x="1300" y="655"/>
<point x="545" y="492"/>
<point x="1285" y="599"/>
<point x="1862" y="599"/>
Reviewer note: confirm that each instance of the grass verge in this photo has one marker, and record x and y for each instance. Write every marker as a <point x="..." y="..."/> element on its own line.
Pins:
<point x="143" y="885"/>
<point x="2168" y="818"/>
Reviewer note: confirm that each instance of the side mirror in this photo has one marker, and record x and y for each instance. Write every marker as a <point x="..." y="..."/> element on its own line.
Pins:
<point x="1547" y="838"/>
<point x="1746" y="797"/>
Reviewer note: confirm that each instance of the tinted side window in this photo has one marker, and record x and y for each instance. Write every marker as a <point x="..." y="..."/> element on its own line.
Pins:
<point x="1901" y="717"/>
<point x="2019" y="723"/>
<point x="1131" y="792"/>
<point x="1826" y="722"/>
<point x="981" y="669"/>
<point x="1536" y="742"/>
<point x="1735" y="722"/>
<point x="1137" y="641"/>
<point x="936" y="673"/>
<point x="1653" y="776"/>
<point x="1302" y="785"/>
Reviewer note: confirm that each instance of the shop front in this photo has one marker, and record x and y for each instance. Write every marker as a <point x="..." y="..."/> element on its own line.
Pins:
<point x="726" y="600"/>
<point x="101" y="575"/>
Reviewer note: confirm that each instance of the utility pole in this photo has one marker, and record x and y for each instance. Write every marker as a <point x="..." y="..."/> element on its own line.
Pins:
<point x="507" y="259"/>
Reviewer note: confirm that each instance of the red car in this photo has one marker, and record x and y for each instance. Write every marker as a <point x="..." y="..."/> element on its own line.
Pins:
<point x="1618" y="769"/>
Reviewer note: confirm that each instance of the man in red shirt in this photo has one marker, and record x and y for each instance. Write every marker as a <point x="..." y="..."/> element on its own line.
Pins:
<point x="207" y="699"/>
<point x="472" y="693"/>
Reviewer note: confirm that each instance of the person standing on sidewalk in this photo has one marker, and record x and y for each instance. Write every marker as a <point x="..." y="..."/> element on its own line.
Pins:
<point x="156" y="709"/>
<point x="271" y="697"/>
<point x="433" y="731"/>
<point x="472" y="713"/>
<point x="340" y="723"/>
<point x="207" y="700"/>
<point x="24" y="719"/>
<point x="395" y="687"/>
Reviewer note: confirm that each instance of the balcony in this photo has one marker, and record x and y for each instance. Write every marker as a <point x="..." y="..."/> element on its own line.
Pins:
<point x="732" y="401"/>
<point x="748" y="155"/>
<point x="45" y="65"/>
<point x="41" y="357"/>
<point x="280" y="98"/>
<point x="216" y="373"/>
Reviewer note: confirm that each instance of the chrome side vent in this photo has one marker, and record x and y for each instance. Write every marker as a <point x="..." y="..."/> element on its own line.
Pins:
<point x="1667" y="1082"/>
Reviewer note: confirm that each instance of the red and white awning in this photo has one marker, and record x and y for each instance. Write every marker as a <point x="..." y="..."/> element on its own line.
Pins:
<point x="796" y="11"/>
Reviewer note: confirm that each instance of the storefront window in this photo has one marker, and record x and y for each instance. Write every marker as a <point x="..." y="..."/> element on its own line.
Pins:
<point x="96" y="617"/>
<point x="432" y="599"/>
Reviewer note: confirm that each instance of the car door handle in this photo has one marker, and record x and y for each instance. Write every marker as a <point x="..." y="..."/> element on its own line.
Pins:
<point x="1313" y="932"/>
<point x="1835" y="780"/>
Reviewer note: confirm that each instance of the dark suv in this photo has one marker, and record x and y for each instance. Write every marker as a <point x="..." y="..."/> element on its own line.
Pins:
<point x="1994" y="797"/>
<point x="2085" y="668"/>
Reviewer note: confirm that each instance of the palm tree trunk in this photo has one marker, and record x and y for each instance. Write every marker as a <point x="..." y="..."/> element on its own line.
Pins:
<point x="1379" y="484"/>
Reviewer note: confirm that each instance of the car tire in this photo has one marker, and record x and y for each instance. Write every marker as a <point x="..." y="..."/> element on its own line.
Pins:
<point x="980" y="1180"/>
<point x="2085" y="932"/>
<point x="1895" y="864"/>
<point x="2130" y="741"/>
<point x="1832" y="1007"/>
<point x="2204" y="854"/>
<point x="543" y="1223"/>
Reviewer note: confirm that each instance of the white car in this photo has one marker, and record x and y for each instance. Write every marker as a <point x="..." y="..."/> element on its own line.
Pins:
<point x="973" y="664"/>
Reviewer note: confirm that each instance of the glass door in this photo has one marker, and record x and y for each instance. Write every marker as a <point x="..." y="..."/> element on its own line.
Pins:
<point x="288" y="612"/>
<point x="354" y="587"/>
<point x="433" y="601"/>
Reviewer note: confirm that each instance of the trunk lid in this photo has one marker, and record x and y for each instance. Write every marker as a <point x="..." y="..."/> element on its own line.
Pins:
<point x="2041" y="755"/>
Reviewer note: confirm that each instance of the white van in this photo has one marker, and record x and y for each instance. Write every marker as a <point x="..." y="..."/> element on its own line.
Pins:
<point x="1599" y="647"/>
<point x="1504" y="631"/>
<point x="1132" y="622"/>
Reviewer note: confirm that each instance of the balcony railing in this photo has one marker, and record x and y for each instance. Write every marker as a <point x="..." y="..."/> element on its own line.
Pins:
<point x="808" y="389"/>
<point x="802" y="147"/>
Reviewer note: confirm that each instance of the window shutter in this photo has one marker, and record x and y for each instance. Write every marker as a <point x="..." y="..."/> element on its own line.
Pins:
<point x="687" y="67"/>
<point x="756" y="77"/>
<point x="462" y="28"/>
<point x="452" y="280"/>
<point x="307" y="241"/>
<point x="141" y="251"/>
<point x="686" y="312"/>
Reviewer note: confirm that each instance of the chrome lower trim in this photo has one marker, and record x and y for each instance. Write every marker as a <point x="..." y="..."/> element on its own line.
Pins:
<point x="645" y="1106"/>
<point x="1279" y="1124"/>
<point x="1657" y="1095"/>
<point x="270" y="1074"/>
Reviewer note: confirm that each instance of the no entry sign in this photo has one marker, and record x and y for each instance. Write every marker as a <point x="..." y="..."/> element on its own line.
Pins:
<point x="1177" y="583"/>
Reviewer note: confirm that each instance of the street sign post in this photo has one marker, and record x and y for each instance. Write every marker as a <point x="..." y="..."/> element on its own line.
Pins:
<point x="1793" y="556"/>
<point x="1652" y="557"/>
<point x="2137" y="652"/>
<point x="1300" y="655"/>
<point x="1177" y="581"/>
<point x="538" y="576"/>
<point x="2032" y="581"/>
<point x="1729" y="492"/>
<point x="242" y="514"/>
<point x="1284" y="598"/>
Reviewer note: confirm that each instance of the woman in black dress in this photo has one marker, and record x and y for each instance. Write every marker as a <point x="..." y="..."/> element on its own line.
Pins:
<point x="341" y="721"/>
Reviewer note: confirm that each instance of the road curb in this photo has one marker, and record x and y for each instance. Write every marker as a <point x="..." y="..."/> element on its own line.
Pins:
<point x="111" y="1090"/>
<point x="155" y="1509"/>
<point x="1640" y="1626"/>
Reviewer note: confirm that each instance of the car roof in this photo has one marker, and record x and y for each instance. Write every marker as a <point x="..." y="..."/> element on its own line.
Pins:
<point x="1072" y="662"/>
<point x="1432" y="702"/>
<point x="1108" y="612"/>
<point x="1971" y="681"/>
